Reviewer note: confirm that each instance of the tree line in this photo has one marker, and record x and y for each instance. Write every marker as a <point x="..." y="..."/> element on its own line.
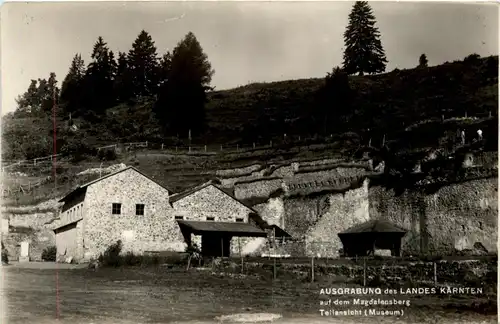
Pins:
<point x="178" y="80"/>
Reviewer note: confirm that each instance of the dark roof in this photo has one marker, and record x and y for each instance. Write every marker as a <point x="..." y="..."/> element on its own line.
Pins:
<point x="235" y="229"/>
<point x="176" y="197"/>
<point x="374" y="226"/>
<point x="84" y="186"/>
<point x="278" y="231"/>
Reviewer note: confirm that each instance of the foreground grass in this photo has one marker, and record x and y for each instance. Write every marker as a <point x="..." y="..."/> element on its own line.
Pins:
<point x="161" y="295"/>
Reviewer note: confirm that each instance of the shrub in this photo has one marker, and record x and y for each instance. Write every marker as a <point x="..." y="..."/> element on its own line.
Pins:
<point x="111" y="257"/>
<point x="107" y="155"/>
<point x="49" y="254"/>
<point x="5" y="256"/>
<point x="130" y="259"/>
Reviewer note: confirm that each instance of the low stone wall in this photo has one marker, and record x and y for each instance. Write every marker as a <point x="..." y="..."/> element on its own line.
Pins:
<point x="257" y="188"/>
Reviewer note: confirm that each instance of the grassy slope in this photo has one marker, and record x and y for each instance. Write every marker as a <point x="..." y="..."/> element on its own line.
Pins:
<point x="406" y="106"/>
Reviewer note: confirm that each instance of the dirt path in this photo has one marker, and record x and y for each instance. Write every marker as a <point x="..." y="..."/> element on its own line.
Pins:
<point x="135" y="296"/>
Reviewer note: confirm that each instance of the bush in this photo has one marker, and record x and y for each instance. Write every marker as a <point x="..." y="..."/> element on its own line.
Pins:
<point x="107" y="155"/>
<point x="111" y="256"/>
<point x="5" y="257"/>
<point x="49" y="254"/>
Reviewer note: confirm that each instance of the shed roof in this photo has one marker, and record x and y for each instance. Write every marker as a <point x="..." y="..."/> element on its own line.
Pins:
<point x="234" y="229"/>
<point x="374" y="226"/>
<point x="84" y="186"/>
<point x="278" y="231"/>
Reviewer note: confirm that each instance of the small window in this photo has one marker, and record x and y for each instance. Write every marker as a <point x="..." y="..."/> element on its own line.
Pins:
<point x="117" y="209"/>
<point x="210" y="218"/>
<point x="179" y="217"/>
<point x="239" y="220"/>
<point x="139" y="209"/>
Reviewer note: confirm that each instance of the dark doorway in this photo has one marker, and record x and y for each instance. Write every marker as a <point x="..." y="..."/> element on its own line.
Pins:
<point x="215" y="245"/>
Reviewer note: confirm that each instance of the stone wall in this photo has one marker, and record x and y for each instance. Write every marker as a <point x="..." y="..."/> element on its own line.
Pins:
<point x="340" y="212"/>
<point x="257" y="188"/>
<point x="31" y="224"/>
<point x="156" y="230"/>
<point x="453" y="218"/>
<point x="239" y="171"/>
<point x="272" y="211"/>
<point x="38" y="240"/>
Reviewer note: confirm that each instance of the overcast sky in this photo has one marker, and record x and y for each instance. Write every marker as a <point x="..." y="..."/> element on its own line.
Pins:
<point x="245" y="41"/>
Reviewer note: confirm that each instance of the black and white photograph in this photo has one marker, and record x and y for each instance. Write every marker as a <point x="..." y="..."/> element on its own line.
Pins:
<point x="294" y="162"/>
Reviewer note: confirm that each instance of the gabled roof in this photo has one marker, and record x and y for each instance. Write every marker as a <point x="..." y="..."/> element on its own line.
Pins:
<point x="84" y="186"/>
<point x="374" y="226"/>
<point x="235" y="229"/>
<point x="176" y="197"/>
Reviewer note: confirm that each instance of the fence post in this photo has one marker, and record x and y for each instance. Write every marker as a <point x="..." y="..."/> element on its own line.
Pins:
<point x="176" y="148"/>
<point x="364" y="272"/>
<point x="162" y="146"/>
<point x="312" y="268"/>
<point x="241" y="255"/>
<point x="299" y="138"/>
<point x="237" y="147"/>
<point x="189" y="149"/>
<point x="435" y="273"/>
<point x="205" y="148"/>
<point x="489" y="114"/>
<point x="221" y="147"/>
<point x="254" y="145"/>
<point x="274" y="267"/>
<point x="271" y="143"/>
<point x="34" y="162"/>
<point x="146" y="143"/>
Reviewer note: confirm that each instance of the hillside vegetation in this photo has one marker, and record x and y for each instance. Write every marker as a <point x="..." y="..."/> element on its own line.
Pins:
<point x="384" y="105"/>
<point x="412" y="112"/>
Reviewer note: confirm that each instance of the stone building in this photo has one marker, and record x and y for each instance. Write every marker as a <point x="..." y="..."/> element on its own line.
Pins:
<point x="129" y="206"/>
<point x="211" y="217"/>
<point x="125" y="205"/>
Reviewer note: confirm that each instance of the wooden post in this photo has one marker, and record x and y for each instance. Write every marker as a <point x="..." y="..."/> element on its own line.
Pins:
<point x="299" y="138"/>
<point x="189" y="149"/>
<point x="241" y="255"/>
<point x="146" y="143"/>
<point x="237" y="147"/>
<point x="489" y="114"/>
<point x="364" y="272"/>
<point x="312" y="269"/>
<point x="221" y="147"/>
<point x="271" y="143"/>
<point x="162" y="146"/>
<point x="254" y="145"/>
<point x="205" y="148"/>
<point x="274" y="268"/>
<point x="435" y="273"/>
<point x="34" y="162"/>
<point x="176" y="148"/>
<point x="222" y="246"/>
